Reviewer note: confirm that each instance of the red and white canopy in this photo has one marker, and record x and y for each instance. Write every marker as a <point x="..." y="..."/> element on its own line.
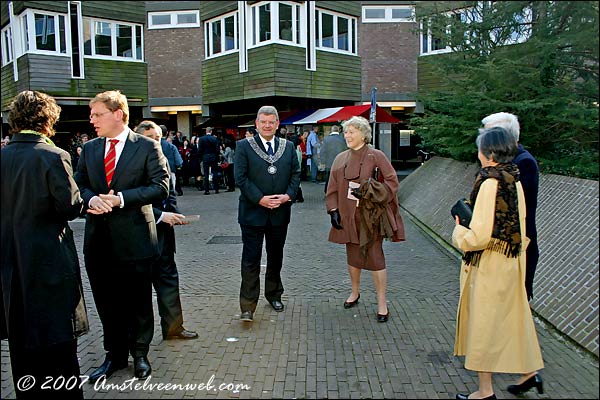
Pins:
<point x="338" y="114"/>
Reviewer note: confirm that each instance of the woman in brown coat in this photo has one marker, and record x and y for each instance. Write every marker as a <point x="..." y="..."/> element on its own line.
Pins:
<point x="350" y="169"/>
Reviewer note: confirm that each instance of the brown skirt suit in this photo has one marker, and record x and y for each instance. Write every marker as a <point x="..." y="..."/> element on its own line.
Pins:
<point x="357" y="166"/>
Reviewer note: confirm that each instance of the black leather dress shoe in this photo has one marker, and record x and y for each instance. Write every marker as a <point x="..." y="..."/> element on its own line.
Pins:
<point x="246" y="316"/>
<point x="350" y="304"/>
<point x="184" y="334"/>
<point x="141" y="366"/>
<point x="277" y="305"/>
<point x="466" y="396"/>
<point x="107" y="368"/>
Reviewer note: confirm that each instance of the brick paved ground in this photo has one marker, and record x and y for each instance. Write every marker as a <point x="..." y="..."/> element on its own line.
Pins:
<point x="315" y="348"/>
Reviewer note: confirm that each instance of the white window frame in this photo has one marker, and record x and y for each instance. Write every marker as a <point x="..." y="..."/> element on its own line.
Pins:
<point x="388" y="14"/>
<point x="174" y="17"/>
<point x="352" y="33"/>
<point x="27" y="20"/>
<point x="463" y="16"/>
<point x="208" y="31"/>
<point x="298" y="27"/>
<point x="7" y="50"/>
<point x="113" y="41"/>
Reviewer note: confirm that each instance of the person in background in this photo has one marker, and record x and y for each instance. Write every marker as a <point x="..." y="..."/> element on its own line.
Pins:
<point x="173" y="157"/>
<point x="354" y="169"/>
<point x="312" y="143"/>
<point x="494" y="326"/>
<point x="268" y="175"/>
<point x="120" y="174"/>
<point x="304" y="164"/>
<point x="208" y="146"/>
<point x="41" y="295"/>
<point x="332" y="145"/>
<point x="229" y="158"/>
<point x="165" y="277"/>
<point x="530" y="176"/>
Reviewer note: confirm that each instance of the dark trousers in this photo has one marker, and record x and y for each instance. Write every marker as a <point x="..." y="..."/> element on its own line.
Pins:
<point x="165" y="280"/>
<point x="229" y="177"/>
<point x="54" y="365"/>
<point x="533" y="255"/>
<point x="327" y="173"/>
<point x="252" y="238"/>
<point x="123" y="296"/>
<point x="211" y="167"/>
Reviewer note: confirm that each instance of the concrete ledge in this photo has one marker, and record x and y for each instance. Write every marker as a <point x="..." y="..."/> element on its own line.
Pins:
<point x="566" y="282"/>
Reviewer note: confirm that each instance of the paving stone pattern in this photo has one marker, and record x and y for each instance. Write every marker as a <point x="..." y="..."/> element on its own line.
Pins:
<point x="315" y="348"/>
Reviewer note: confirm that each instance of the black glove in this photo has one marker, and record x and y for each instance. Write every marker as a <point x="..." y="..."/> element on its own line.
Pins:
<point x="336" y="219"/>
<point x="356" y="193"/>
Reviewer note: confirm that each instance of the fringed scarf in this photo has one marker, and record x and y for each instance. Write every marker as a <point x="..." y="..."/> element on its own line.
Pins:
<point x="506" y="236"/>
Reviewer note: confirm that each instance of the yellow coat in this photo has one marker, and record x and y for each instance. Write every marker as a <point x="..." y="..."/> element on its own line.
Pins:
<point x="494" y="327"/>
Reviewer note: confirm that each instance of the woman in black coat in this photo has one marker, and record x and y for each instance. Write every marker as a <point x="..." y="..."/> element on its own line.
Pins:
<point x="41" y="292"/>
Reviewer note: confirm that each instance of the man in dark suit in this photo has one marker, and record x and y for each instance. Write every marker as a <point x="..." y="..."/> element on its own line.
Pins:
<point x="268" y="175"/>
<point x="208" y="146"/>
<point x="41" y="297"/>
<point x="165" y="277"/>
<point x="120" y="174"/>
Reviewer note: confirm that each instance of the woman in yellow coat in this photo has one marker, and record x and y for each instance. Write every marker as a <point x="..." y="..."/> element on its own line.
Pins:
<point x="494" y="327"/>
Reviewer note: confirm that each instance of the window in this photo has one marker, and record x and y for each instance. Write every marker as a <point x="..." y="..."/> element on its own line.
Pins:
<point x="275" y="21"/>
<point x="7" y="53"/>
<point x="222" y="35"/>
<point x="387" y="14"/>
<point x="174" y="19"/>
<point x="336" y="32"/>
<point x="44" y="32"/>
<point x="461" y="28"/>
<point x="433" y="37"/>
<point x="106" y="39"/>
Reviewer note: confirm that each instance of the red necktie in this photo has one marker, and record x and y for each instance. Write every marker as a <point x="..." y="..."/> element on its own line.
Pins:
<point x="110" y="161"/>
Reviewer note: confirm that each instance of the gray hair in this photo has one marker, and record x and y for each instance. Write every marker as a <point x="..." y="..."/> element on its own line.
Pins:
<point x="497" y="143"/>
<point x="503" y="120"/>
<point x="335" y="128"/>
<point x="267" y="110"/>
<point x="146" y="126"/>
<point x="361" y="124"/>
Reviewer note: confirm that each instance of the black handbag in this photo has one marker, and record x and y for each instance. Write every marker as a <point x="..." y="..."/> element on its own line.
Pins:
<point x="462" y="208"/>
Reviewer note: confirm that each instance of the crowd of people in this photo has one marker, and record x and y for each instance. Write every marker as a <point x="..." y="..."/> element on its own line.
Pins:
<point x="131" y="211"/>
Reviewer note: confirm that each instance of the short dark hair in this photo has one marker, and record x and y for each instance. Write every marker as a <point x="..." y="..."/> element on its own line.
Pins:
<point x="498" y="144"/>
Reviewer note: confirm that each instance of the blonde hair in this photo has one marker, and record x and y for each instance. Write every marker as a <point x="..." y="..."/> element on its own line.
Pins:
<point x="113" y="100"/>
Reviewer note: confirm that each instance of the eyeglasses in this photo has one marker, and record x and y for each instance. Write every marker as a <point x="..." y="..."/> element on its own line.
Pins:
<point x="98" y="115"/>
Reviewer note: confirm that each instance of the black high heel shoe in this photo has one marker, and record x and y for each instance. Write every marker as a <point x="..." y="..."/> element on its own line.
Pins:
<point x="383" y="317"/>
<point x="466" y="396"/>
<point x="534" y="381"/>
<point x="350" y="304"/>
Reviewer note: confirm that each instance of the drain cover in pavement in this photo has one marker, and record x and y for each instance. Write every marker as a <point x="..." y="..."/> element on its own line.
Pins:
<point x="225" y="240"/>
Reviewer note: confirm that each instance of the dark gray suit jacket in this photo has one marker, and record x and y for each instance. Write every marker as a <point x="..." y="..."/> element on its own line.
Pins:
<point x="141" y="175"/>
<point x="255" y="182"/>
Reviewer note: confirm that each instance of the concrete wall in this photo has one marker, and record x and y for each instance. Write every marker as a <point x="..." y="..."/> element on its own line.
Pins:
<point x="566" y="281"/>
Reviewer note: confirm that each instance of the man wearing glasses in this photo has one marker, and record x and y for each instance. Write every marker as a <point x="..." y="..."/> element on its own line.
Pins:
<point x="120" y="174"/>
<point x="268" y="175"/>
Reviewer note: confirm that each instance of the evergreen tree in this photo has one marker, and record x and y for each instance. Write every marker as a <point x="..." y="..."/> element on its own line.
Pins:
<point x="537" y="60"/>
